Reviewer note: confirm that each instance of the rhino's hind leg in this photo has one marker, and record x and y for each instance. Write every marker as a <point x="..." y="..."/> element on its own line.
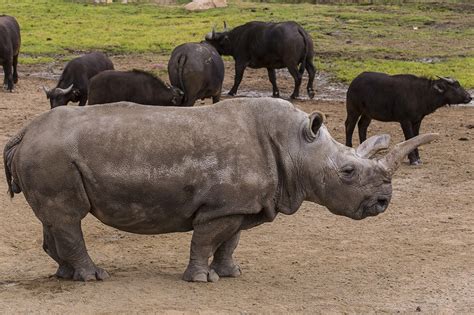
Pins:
<point x="65" y="270"/>
<point x="71" y="249"/>
<point x="207" y="238"/>
<point x="223" y="263"/>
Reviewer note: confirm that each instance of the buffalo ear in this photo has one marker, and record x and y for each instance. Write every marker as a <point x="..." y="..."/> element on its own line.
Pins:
<point x="438" y="87"/>
<point x="316" y="119"/>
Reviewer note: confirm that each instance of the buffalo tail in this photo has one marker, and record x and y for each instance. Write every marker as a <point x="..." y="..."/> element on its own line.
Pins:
<point x="8" y="154"/>
<point x="181" y="62"/>
<point x="306" y="51"/>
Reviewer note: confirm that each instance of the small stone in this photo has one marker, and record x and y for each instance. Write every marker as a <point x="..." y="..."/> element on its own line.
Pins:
<point x="463" y="139"/>
<point x="418" y="309"/>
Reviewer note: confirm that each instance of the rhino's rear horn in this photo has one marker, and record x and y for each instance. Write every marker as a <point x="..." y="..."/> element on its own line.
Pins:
<point x="394" y="158"/>
<point x="373" y="145"/>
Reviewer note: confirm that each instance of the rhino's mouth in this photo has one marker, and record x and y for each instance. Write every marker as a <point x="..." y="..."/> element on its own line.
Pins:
<point x="372" y="207"/>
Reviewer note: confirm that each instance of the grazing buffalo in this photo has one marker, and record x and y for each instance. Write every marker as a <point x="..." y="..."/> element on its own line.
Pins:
<point x="74" y="81"/>
<point x="10" y="41"/>
<point x="215" y="169"/>
<point x="268" y="45"/>
<point x="134" y="86"/>
<point x="198" y="70"/>
<point x="404" y="98"/>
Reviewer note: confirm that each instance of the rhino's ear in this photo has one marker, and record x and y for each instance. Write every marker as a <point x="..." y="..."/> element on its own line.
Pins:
<point x="316" y="119"/>
<point x="372" y="145"/>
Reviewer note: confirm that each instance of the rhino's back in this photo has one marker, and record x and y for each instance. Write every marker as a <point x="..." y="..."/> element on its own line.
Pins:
<point x="142" y="165"/>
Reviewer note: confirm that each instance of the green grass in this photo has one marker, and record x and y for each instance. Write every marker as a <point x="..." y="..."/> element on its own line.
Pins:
<point x="348" y="38"/>
<point x="345" y="70"/>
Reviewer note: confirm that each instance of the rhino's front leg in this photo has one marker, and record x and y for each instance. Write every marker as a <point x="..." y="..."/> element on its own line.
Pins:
<point x="207" y="238"/>
<point x="223" y="263"/>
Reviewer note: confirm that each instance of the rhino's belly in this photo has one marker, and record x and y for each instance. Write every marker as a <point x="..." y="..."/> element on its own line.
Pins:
<point x="136" y="219"/>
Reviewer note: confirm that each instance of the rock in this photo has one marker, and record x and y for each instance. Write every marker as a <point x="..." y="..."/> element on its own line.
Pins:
<point x="198" y="5"/>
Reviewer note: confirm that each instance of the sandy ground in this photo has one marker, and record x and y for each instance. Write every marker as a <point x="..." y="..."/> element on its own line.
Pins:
<point x="418" y="256"/>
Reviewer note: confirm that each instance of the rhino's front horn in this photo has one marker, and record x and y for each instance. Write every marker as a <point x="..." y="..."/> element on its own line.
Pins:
<point x="373" y="145"/>
<point x="65" y="91"/>
<point x="394" y="158"/>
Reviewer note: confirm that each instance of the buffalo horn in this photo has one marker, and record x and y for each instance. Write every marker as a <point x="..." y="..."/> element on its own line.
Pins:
<point x="449" y="80"/>
<point x="65" y="91"/>
<point x="46" y="91"/>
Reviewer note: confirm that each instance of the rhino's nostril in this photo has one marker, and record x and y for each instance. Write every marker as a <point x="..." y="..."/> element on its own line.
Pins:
<point x="382" y="203"/>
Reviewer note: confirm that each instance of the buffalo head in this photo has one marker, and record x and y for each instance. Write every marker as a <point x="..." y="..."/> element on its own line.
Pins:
<point x="349" y="181"/>
<point x="59" y="97"/>
<point x="176" y="95"/>
<point x="220" y="40"/>
<point x="452" y="91"/>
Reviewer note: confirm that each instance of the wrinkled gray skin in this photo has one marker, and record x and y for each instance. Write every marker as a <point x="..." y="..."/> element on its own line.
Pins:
<point x="215" y="169"/>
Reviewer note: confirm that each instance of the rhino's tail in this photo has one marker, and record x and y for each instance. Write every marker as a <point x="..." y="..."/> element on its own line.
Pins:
<point x="181" y="62"/>
<point x="8" y="154"/>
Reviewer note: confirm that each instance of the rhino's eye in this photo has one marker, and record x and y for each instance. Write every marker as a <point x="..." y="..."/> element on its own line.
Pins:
<point x="348" y="171"/>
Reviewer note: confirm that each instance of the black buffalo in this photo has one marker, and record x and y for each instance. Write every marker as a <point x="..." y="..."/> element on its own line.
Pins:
<point x="10" y="41"/>
<point x="403" y="98"/>
<point x="198" y="70"/>
<point x="134" y="86"/>
<point x="74" y="81"/>
<point x="268" y="45"/>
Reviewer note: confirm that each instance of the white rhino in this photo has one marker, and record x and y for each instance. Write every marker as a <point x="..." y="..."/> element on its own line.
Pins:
<point x="215" y="169"/>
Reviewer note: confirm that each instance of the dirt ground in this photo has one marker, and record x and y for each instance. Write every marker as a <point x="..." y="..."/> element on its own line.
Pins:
<point x="418" y="256"/>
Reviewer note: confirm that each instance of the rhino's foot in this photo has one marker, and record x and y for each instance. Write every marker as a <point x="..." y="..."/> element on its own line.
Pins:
<point x="226" y="270"/>
<point x="88" y="274"/>
<point x="195" y="274"/>
<point x="65" y="272"/>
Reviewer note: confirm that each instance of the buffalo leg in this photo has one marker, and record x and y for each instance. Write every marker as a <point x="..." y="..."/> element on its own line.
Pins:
<point x="216" y="98"/>
<point x="15" y="72"/>
<point x="416" y="132"/>
<point x="70" y="248"/>
<point x="272" y="77"/>
<point x="363" y="124"/>
<point x="311" y="73"/>
<point x="407" y="128"/>
<point x="350" y="124"/>
<point x="64" y="270"/>
<point x="4" y="77"/>
<point x="223" y="263"/>
<point x="83" y="101"/>
<point x="297" y="76"/>
<point x="8" y="80"/>
<point x="239" y="73"/>
<point x="207" y="238"/>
